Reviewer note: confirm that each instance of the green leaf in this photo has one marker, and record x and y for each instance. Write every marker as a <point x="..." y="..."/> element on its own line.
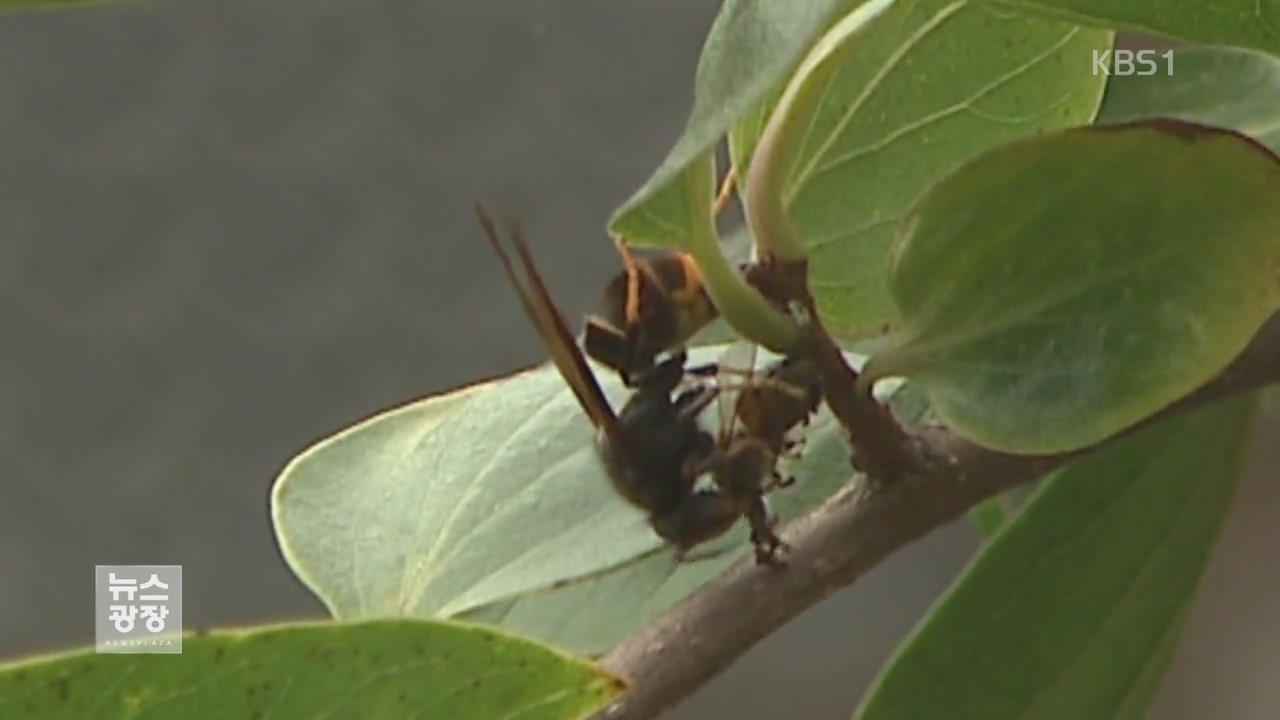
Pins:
<point x="591" y="614"/>
<point x="741" y="305"/>
<point x="1236" y="89"/>
<point x="751" y="46"/>
<point x="455" y="501"/>
<point x="988" y="517"/>
<point x="996" y="512"/>
<point x="1074" y="609"/>
<point x="1226" y="87"/>
<point x="1057" y="290"/>
<point x="910" y="406"/>
<point x="925" y="86"/>
<point x="385" y="669"/>
<point x="1244" y="23"/>
<point x="669" y="216"/>
<point x="462" y="502"/>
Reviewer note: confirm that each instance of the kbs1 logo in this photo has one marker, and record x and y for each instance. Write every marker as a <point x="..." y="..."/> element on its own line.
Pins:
<point x="1132" y="62"/>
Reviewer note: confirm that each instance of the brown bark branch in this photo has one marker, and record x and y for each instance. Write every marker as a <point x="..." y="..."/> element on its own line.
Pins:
<point x="845" y="537"/>
<point x="881" y="448"/>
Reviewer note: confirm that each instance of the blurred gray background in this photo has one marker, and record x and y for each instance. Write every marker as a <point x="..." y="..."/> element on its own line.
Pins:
<point x="229" y="228"/>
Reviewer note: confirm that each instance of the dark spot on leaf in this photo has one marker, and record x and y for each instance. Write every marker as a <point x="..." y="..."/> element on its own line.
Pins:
<point x="402" y="698"/>
<point x="61" y="686"/>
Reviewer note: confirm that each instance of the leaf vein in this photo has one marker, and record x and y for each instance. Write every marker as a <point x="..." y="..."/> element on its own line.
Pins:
<point x="961" y="106"/>
<point x="881" y="73"/>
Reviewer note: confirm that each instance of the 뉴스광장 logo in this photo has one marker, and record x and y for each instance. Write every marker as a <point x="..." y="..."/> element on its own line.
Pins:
<point x="138" y="608"/>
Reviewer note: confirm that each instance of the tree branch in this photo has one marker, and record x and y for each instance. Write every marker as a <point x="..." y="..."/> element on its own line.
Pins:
<point x="845" y="537"/>
<point x="882" y="449"/>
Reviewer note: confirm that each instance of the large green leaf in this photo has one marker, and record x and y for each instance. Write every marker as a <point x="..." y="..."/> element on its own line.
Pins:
<point x="929" y="84"/>
<point x="454" y="502"/>
<point x="1244" y="23"/>
<point x="1226" y="87"/>
<point x="1237" y="89"/>
<point x="1057" y="290"/>
<point x="459" y="503"/>
<point x="591" y="614"/>
<point x="992" y="514"/>
<point x="384" y="669"/>
<point x="751" y="46"/>
<point x="989" y="516"/>
<point x="1075" y="608"/>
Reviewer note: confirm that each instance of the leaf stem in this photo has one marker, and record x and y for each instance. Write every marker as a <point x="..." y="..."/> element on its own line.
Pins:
<point x="785" y="134"/>
<point x="741" y="305"/>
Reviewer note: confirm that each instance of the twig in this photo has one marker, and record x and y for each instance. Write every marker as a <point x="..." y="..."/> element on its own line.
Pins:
<point x="725" y="195"/>
<point x="845" y="537"/>
<point x="882" y="449"/>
